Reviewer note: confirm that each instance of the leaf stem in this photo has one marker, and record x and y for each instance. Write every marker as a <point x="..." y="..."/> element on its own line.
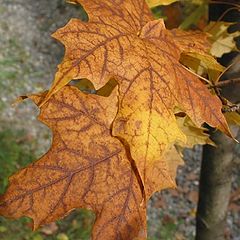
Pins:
<point x="204" y="79"/>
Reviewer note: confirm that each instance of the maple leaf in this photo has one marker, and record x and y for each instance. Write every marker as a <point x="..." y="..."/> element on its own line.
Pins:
<point x="162" y="174"/>
<point x="121" y="41"/>
<point x="190" y="41"/>
<point x="85" y="168"/>
<point x="155" y="3"/>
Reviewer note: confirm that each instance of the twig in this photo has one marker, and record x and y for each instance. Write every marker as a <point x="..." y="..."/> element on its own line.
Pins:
<point x="227" y="82"/>
<point x="224" y="3"/>
<point x="236" y="7"/>
<point x="226" y="12"/>
<point x="234" y="108"/>
<point x="228" y="68"/>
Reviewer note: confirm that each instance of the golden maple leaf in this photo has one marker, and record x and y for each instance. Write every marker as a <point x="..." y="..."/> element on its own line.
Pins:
<point x="155" y="3"/>
<point x="194" y="134"/>
<point x="122" y="41"/>
<point x="85" y="168"/>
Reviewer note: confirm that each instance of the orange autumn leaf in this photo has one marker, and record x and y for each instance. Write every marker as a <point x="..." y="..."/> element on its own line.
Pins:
<point x="85" y="168"/>
<point x="122" y="41"/>
<point x="191" y="41"/>
<point x="110" y="154"/>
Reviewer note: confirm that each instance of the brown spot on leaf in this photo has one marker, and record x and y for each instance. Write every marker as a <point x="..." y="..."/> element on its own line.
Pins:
<point x="138" y="124"/>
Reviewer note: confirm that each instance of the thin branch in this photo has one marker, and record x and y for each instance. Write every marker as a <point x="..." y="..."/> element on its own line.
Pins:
<point x="227" y="69"/>
<point x="223" y="15"/>
<point x="224" y="3"/>
<point x="234" y="108"/>
<point x="227" y="82"/>
<point x="226" y="12"/>
<point x="235" y="7"/>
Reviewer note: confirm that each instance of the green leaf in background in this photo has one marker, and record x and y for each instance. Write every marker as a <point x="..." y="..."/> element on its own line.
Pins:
<point x="197" y="2"/>
<point x="38" y="237"/>
<point x="14" y="154"/>
<point x="3" y="229"/>
<point x="62" y="236"/>
<point x="196" y="15"/>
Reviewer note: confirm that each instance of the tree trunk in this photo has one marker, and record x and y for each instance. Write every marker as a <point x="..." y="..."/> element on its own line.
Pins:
<point x="215" y="188"/>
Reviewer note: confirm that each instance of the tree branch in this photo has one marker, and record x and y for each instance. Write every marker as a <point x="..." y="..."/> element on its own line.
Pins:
<point x="227" y="82"/>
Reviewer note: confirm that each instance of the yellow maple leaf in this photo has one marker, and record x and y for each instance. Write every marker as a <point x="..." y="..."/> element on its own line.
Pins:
<point x="85" y="168"/>
<point x="143" y="57"/>
<point x="194" y="134"/>
<point x="155" y="3"/>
